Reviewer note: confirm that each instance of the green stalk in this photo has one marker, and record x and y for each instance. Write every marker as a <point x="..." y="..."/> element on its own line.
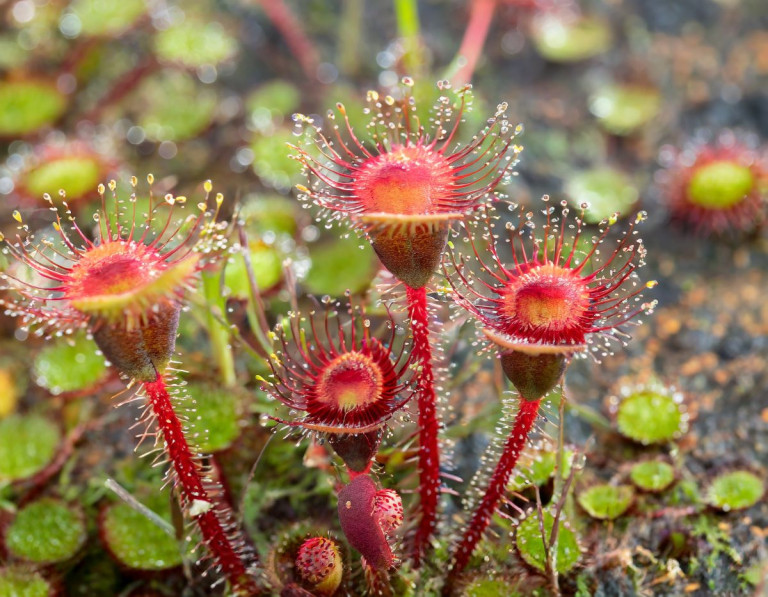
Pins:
<point x="350" y="28"/>
<point x="219" y="332"/>
<point x="408" y="28"/>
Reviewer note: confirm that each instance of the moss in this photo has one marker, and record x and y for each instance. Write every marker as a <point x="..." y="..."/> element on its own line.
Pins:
<point x="531" y="548"/>
<point x="736" y="490"/>
<point x="650" y="417"/>
<point x="28" y="105"/>
<point x="68" y="365"/>
<point x="717" y="539"/>
<point x="195" y="43"/>
<point x="652" y="475"/>
<point x="137" y="542"/>
<point x="720" y="185"/>
<point x="757" y="574"/>
<point x="76" y="175"/>
<point x="606" y="502"/>
<point x="488" y="587"/>
<point x="45" y="532"/>
<point x="28" y="444"/>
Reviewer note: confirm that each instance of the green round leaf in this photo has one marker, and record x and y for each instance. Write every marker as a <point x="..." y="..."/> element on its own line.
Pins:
<point x="605" y="190"/>
<point x="76" y="175"/>
<point x="536" y="468"/>
<point x="489" y="587"/>
<point x="18" y="581"/>
<point x="137" y="542"/>
<point x="736" y="490"/>
<point x="194" y="43"/>
<point x="267" y="264"/>
<point x="213" y="417"/>
<point x="720" y="185"/>
<point x="650" y="417"/>
<point x="45" y="532"/>
<point x="606" y="502"/>
<point x="566" y="40"/>
<point x="652" y="475"/>
<point x="622" y="109"/>
<point x="29" y="105"/>
<point x="12" y="55"/>
<point x="28" y="444"/>
<point x="96" y="574"/>
<point x="340" y="265"/>
<point x="531" y="547"/>
<point x="167" y="114"/>
<point x="270" y="214"/>
<point x="272" y="162"/>
<point x="68" y="365"/>
<point x="271" y="103"/>
<point x="107" y="17"/>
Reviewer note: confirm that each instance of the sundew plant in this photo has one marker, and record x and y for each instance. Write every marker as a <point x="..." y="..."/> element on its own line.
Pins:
<point x="368" y="298"/>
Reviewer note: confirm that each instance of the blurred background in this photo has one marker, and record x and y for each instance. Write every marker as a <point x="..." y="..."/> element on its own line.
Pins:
<point x="618" y="100"/>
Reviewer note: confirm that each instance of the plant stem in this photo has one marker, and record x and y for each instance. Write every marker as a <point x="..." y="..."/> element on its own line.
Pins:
<point x="126" y="83"/>
<point x="551" y="547"/>
<point x="559" y="477"/>
<point x="210" y="514"/>
<point x="350" y="30"/>
<point x="257" y="316"/>
<point x="219" y="333"/>
<point x="408" y="28"/>
<point x="589" y="415"/>
<point x="429" y="451"/>
<point x="480" y="16"/>
<point x="291" y="29"/>
<point x="524" y="420"/>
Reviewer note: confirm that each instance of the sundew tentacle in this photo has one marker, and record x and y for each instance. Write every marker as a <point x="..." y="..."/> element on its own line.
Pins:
<point x="346" y="380"/>
<point x="543" y="294"/>
<point x="401" y="187"/>
<point x="539" y="306"/>
<point x="126" y="287"/>
<point x="348" y="181"/>
<point x="128" y="270"/>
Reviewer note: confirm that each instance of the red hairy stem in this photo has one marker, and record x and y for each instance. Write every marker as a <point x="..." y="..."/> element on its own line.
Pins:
<point x="290" y="28"/>
<point x="208" y="512"/>
<point x="524" y="420"/>
<point x="481" y="13"/>
<point x="429" y="452"/>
